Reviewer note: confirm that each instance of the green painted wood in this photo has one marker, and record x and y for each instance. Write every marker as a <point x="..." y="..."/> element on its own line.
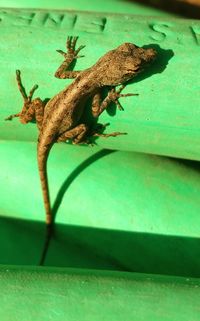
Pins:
<point x="116" y="6"/>
<point x="163" y="119"/>
<point x="21" y="241"/>
<point x="114" y="210"/>
<point x="63" y="294"/>
<point x="152" y="188"/>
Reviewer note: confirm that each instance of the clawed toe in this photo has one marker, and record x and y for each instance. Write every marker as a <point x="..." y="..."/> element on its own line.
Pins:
<point x="114" y="95"/>
<point x="12" y="116"/>
<point x="71" y="43"/>
<point x="71" y="51"/>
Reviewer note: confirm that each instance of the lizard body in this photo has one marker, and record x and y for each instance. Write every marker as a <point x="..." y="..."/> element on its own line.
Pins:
<point x="60" y="118"/>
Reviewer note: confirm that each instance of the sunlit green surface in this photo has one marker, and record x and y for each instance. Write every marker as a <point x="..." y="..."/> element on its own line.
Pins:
<point x="56" y="294"/>
<point x="115" y="210"/>
<point x="116" y="6"/>
<point x="163" y="119"/>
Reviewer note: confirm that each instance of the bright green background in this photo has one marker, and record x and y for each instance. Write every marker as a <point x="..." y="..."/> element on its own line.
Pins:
<point x="163" y="119"/>
<point x="116" y="6"/>
<point x="115" y="210"/>
<point x="94" y="295"/>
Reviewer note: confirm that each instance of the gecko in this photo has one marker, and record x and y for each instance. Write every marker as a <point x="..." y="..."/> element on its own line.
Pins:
<point x="59" y="119"/>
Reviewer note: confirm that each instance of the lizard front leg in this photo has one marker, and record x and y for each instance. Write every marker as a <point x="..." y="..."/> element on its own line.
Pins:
<point x="98" y="106"/>
<point x="32" y="109"/>
<point x="70" y="56"/>
<point x="113" y="95"/>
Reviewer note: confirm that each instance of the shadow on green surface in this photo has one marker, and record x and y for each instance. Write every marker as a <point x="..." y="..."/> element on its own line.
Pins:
<point x="76" y="172"/>
<point x="158" y="66"/>
<point x="187" y="163"/>
<point x="185" y="9"/>
<point x="63" y="189"/>
<point x="20" y="241"/>
<point x="94" y="248"/>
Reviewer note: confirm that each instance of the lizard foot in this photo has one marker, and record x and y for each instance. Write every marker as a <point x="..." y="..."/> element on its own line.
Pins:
<point x="97" y="132"/>
<point x="114" y="134"/>
<point x="114" y="95"/>
<point x="27" y="98"/>
<point x="71" y="51"/>
<point x="12" y="116"/>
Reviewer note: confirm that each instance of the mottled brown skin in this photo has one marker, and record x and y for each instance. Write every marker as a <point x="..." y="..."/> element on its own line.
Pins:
<point x="59" y="119"/>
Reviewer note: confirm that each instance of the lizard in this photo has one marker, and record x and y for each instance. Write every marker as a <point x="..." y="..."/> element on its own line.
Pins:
<point x="59" y="119"/>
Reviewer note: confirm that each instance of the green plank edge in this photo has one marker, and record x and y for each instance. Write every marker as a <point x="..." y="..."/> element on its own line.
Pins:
<point x="69" y="294"/>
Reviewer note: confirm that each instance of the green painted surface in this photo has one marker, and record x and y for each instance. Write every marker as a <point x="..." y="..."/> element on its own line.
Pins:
<point x="114" y="210"/>
<point x="163" y="119"/>
<point x="116" y="6"/>
<point x="150" y="189"/>
<point x="55" y="294"/>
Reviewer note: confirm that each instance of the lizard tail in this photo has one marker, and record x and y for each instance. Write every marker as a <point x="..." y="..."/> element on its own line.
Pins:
<point x="42" y="154"/>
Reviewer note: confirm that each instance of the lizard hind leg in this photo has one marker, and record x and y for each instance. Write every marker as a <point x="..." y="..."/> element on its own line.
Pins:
<point x="98" y="131"/>
<point x="32" y="109"/>
<point x="77" y="134"/>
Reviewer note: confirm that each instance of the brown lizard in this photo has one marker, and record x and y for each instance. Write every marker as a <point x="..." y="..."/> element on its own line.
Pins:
<point x="60" y="118"/>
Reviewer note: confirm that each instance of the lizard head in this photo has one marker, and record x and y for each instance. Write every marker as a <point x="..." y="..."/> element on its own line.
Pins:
<point x="123" y="63"/>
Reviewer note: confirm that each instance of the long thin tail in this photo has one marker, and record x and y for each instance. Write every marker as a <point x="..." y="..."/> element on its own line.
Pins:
<point x="42" y="155"/>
